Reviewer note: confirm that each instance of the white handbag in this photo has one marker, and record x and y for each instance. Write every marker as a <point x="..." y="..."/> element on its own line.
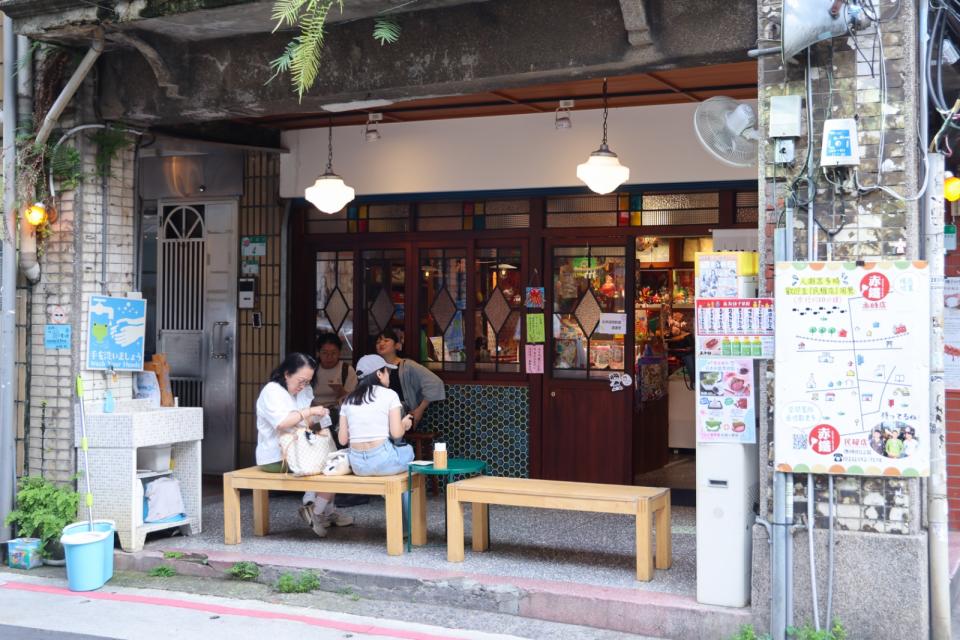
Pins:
<point x="338" y="464"/>
<point x="305" y="452"/>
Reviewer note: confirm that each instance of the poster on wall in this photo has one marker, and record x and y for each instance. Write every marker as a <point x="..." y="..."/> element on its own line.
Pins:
<point x="726" y="410"/>
<point x="951" y="333"/>
<point x="735" y="327"/>
<point x="854" y="341"/>
<point x="115" y="333"/>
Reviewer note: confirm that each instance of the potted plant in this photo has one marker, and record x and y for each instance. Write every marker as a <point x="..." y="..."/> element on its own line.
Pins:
<point x="43" y="510"/>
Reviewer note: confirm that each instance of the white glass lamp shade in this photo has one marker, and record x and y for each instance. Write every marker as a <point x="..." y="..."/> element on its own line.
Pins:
<point x="602" y="172"/>
<point x="329" y="193"/>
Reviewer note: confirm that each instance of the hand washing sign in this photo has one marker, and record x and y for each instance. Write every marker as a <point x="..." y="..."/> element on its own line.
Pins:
<point x="853" y="368"/>
<point x="115" y="333"/>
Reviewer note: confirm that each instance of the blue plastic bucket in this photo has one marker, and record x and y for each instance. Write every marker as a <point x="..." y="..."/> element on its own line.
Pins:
<point x="89" y="554"/>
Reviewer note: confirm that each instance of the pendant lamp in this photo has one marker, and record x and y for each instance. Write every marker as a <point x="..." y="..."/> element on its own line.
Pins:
<point x="329" y="193"/>
<point x="602" y="172"/>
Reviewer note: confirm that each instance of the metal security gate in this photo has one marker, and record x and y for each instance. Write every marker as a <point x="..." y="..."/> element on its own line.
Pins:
<point x="196" y="317"/>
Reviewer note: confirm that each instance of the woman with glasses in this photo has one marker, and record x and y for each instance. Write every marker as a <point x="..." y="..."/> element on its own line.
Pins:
<point x="284" y="404"/>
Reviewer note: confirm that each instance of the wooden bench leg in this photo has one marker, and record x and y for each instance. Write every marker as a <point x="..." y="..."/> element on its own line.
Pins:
<point x="644" y="550"/>
<point x="418" y="509"/>
<point x="454" y="526"/>
<point x="664" y="555"/>
<point x="261" y="512"/>
<point x="394" y="517"/>
<point x="481" y="526"/>
<point x="231" y="512"/>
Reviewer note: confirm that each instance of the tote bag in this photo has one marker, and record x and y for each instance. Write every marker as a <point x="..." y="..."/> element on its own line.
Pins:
<point x="305" y="452"/>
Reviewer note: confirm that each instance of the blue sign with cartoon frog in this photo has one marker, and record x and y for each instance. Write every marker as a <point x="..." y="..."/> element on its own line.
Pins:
<point x="115" y="333"/>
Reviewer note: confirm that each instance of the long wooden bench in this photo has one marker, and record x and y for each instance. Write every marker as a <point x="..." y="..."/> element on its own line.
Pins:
<point x="390" y="487"/>
<point x="650" y="507"/>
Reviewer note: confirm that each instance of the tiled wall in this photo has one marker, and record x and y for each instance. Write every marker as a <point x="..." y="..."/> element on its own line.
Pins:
<point x="485" y="422"/>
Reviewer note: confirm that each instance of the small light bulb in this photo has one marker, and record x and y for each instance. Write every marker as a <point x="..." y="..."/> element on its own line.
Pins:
<point x="951" y="188"/>
<point x="36" y="214"/>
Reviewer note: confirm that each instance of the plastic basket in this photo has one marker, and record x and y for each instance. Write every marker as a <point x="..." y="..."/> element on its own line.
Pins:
<point x="24" y="553"/>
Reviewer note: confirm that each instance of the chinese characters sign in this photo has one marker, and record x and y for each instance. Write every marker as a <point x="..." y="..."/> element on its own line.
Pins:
<point x="725" y="401"/>
<point x="951" y="333"/>
<point x="115" y="333"/>
<point x="738" y="327"/>
<point x="853" y="365"/>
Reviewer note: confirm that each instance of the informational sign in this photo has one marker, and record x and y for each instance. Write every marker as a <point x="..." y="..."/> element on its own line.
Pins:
<point x="535" y="328"/>
<point x="951" y="333"/>
<point x="613" y="324"/>
<point x="534" y="358"/>
<point x="250" y="267"/>
<point x="853" y="365"/>
<point x="735" y="327"/>
<point x="115" y="333"/>
<point x="253" y="246"/>
<point x="726" y="409"/>
<point x="57" y="336"/>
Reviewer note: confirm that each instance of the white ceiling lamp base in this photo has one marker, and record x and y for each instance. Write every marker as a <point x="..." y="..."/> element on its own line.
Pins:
<point x="602" y="172"/>
<point x="329" y="193"/>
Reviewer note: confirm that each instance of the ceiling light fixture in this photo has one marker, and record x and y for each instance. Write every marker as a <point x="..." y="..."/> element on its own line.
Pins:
<point x="329" y="193"/>
<point x="370" y="131"/>
<point x="602" y="172"/>
<point x="561" y="118"/>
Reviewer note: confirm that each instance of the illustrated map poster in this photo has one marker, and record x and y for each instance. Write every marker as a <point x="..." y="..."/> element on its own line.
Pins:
<point x="853" y="368"/>
<point x="735" y="327"/>
<point x="115" y="333"/>
<point x="725" y="401"/>
<point x="951" y="333"/>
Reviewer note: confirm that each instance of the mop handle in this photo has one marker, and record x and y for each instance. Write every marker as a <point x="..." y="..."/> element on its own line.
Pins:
<point x="83" y="447"/>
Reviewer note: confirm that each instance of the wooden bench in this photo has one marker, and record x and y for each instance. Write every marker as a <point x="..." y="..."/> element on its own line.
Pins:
<point x="648" y="505"/>
<point x="390" y="487"/>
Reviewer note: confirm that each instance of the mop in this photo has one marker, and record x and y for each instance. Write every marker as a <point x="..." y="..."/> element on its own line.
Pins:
<point x="83" y="448"/>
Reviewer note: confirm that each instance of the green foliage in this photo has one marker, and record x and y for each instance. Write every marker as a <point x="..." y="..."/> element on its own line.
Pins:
<point x="386" y="31"/>
<point x="109" y="143"/>
<point x="173" y="555"/>
<point x="347" y="592"/>
<point x="162" y="571"/>
<point x="747" y="632"/>
<point x="43" y="509"/>
<point x="806" y="632"/>
<point x="302" y="55"/>
<point x="244" y="571"/>
<point x="66" y="167"/>
<point x="304" y="583"/>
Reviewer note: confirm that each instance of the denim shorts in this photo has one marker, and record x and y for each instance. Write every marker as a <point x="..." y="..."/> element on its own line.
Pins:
<point x="385" y="460"/>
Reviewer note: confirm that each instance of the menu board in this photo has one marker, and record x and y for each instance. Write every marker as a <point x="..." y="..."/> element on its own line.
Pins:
<point x="726" y="409"/>
<point x="737" y="327"/>
<point x="853" y="365"/>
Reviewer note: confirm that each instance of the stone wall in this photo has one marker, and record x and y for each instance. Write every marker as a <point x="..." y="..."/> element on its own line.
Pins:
<point x="72" y="272"/>
<point x="871" y="226"/>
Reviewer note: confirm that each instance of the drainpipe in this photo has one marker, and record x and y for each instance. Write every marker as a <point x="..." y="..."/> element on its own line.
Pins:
<point x="29" y="265"/>
<point x="937" y="482"/>
<point x="29" y="258"/>
<point x="8" y="286"/>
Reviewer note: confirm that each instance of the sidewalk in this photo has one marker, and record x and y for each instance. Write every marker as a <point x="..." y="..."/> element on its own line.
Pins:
<point x="560" y="566"/>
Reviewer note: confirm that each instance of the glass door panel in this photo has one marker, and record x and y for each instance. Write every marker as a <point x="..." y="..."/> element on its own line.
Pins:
<point x="334" y="303"/>
<point x="384" y="296"/>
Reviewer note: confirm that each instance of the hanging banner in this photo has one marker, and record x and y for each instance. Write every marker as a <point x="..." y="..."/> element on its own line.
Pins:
<point x="737" y="327"/>
<point x="725" y="401"/>
<point x="951" y="333"/>
<point x="115" y="333"/>
<point x="853" y="368"/>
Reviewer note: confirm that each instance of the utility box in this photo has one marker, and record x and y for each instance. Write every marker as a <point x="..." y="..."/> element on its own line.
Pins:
<point x="727" y="488"/>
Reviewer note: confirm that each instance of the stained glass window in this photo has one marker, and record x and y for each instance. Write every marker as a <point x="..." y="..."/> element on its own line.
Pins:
<point x="499" y="310"/>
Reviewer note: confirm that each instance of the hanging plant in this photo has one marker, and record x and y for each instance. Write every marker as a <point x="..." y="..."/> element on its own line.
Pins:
<point x="110" y="142"/>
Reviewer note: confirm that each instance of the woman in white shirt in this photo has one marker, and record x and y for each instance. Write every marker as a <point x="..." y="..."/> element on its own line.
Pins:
<point x="284" y="404"/>
<point x="370" y="416"/>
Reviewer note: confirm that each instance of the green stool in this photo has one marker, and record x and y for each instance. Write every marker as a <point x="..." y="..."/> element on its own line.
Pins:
<point x="455" y="467"/>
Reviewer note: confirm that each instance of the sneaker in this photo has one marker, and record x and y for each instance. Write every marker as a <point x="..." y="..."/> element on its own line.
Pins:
<point x="319" y="527"/>
<point x="335" y="519"/>
<point x="306" y="514"/>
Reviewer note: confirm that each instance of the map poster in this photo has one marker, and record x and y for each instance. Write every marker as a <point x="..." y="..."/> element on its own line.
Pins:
<point x="852" y="368"/>
<point x="737" y="327"/>
<point x="951" y="333"/>
<point x="115" y="333"/>
<point x="726" y="411"/>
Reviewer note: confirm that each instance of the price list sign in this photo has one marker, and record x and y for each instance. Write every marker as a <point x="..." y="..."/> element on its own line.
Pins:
<point x="735" y="327"/>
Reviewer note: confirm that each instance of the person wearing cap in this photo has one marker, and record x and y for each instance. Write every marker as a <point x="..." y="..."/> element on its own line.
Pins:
<point x="416" y="385"/>
<point x="284" y="405"/>
<point x="370" y="416"/>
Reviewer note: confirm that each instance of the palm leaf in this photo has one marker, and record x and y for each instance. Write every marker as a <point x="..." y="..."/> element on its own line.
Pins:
<point x="386" y="31"/>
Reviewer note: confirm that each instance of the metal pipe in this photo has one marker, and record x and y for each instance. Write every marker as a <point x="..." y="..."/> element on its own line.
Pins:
<point x="50" y="121"/>
<point x="788" y="551"/>
<point x="778" y="619"/>
<point x="827" y="618"/>
<point x="811" y="497"/>
<point x="29" y="257"/>
<point x="811" y="183"/>
<point x="924" y="118"/>
<point x="937" y="482"/>
<point x="8" y="285"/>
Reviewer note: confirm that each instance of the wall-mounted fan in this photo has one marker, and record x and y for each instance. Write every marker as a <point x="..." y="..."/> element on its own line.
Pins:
<point x="728" y="130"/>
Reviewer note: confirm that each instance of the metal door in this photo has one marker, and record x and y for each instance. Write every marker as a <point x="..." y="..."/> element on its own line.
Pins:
<point x="196" y="317"/>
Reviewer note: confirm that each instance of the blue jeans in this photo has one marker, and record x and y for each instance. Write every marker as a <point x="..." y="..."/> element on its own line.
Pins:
<point x="385" y="460"/>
